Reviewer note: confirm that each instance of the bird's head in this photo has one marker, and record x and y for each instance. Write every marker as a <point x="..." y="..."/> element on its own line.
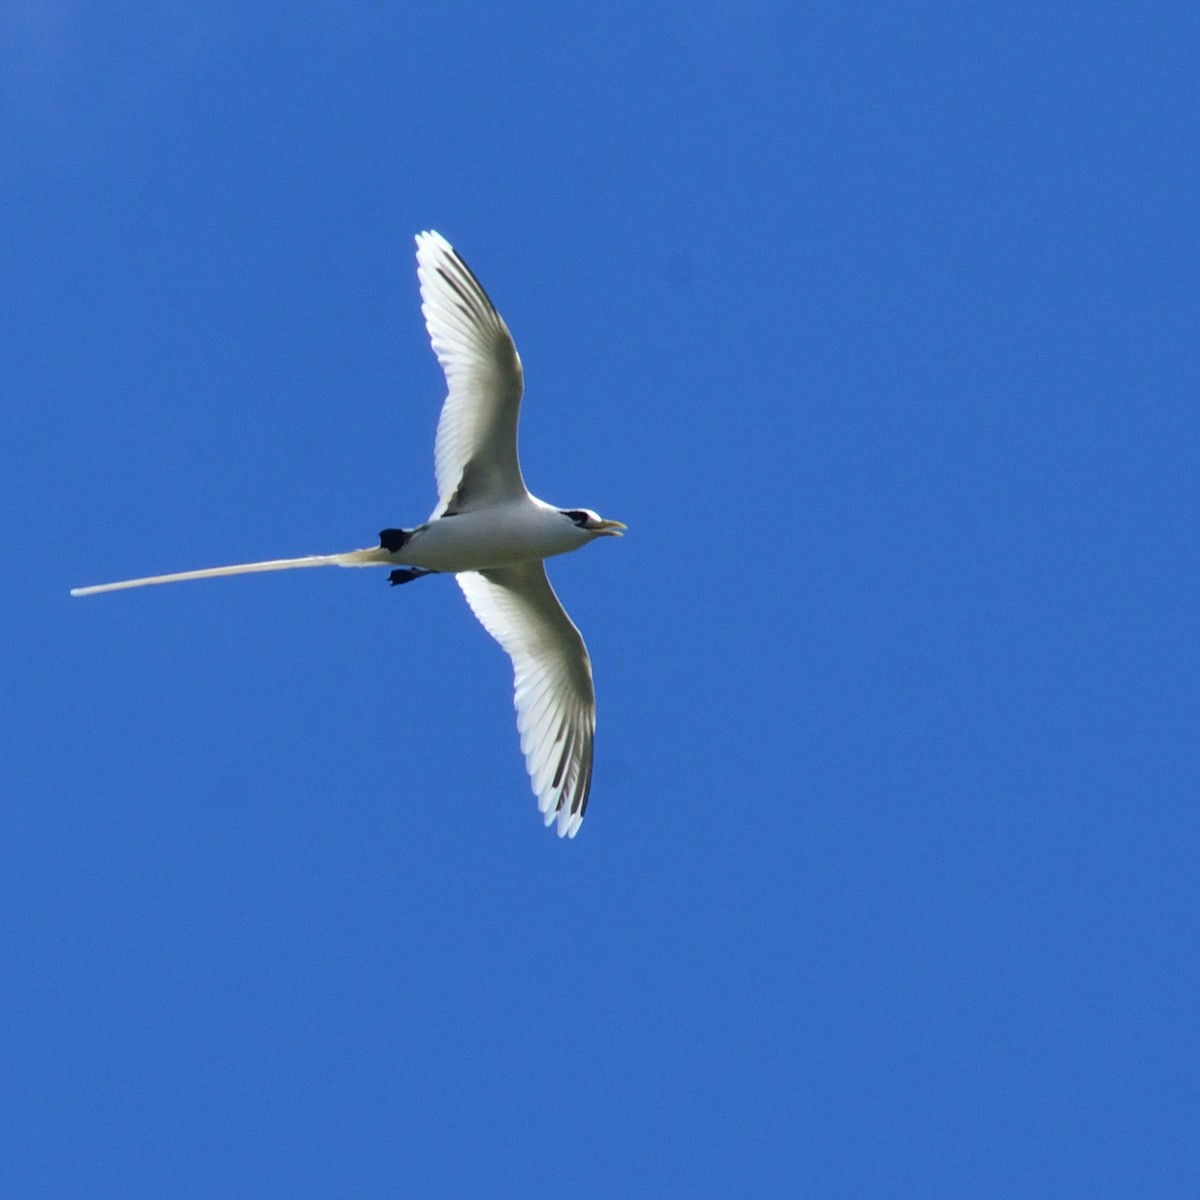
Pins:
<point x="593" y="523"/>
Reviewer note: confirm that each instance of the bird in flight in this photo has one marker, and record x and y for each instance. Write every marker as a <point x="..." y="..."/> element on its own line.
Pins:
<point x="490" y="533"/>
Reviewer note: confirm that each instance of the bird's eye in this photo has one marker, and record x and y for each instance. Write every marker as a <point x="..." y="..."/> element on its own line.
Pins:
<point x="578" y="516"/>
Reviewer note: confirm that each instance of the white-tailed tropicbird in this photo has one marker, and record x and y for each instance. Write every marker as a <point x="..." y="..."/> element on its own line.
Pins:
<point x="490" y="533"/>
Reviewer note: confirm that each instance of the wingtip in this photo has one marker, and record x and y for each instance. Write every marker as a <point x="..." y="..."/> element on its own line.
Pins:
<point x="569" y="824"/>
<point x="431" y="236"/>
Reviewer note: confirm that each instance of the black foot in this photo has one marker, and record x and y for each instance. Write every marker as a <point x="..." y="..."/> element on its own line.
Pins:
<point x="407" y="575"/>
<point x="392" y="539"/>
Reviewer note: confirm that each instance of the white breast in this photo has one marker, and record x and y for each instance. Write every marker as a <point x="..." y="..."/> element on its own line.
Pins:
<point x="524" y="530"/>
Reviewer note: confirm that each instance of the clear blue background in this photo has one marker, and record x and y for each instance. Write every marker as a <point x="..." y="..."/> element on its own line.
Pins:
<point x="878" y="325"/>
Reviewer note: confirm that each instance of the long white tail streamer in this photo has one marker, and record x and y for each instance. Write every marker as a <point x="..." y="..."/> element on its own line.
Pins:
<point x="375" y="556"/>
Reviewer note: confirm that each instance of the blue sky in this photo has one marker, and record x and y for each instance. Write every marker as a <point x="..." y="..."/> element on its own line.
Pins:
<point x="877" y="325"/>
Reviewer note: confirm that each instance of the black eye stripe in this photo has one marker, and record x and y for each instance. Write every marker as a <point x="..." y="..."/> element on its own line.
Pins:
<point x="576" y="515"/>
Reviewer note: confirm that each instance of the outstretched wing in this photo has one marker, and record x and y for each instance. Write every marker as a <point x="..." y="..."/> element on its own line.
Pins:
<point x="552" y="675"/>
<point x="475" y="455"/>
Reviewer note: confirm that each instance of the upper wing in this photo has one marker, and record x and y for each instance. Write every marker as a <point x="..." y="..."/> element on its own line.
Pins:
<point x="555" y="700"/>
<point x="475" y="455"/>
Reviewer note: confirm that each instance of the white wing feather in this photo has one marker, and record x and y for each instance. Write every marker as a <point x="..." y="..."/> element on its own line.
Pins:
<point x="475" y="455"/>
<point x="552" y="676"/>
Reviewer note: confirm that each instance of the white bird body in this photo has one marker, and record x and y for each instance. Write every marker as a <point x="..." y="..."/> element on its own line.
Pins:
<point x="490" y="533"/>
<point x="523" y="529"/>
